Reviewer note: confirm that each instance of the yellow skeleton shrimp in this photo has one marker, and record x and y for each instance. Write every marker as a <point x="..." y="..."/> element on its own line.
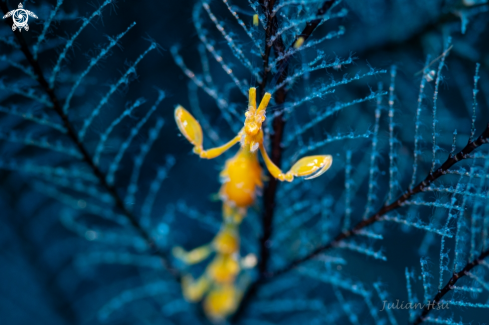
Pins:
<point x="241" y="179"/>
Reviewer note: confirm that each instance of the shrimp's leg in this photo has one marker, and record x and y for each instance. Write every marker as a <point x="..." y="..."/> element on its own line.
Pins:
<point x="272" y="168"/>
<point x="309" y="167"/>
<point x="193" y="290"/>
<point x="231" y="214"/>
<point x="215" y="152"/>
<point x="194" y="256"/>
<point x="192" y="130"/>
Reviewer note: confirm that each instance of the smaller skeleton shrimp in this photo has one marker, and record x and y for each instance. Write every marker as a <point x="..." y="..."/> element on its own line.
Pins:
<point x="242" y="177"/>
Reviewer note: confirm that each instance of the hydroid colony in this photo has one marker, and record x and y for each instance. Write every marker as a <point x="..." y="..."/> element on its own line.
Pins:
<point x="93" y="206"/>
<point x="242" y="177"/>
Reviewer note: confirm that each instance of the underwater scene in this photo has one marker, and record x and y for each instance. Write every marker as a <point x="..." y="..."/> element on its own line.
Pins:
<point x="249" y="162"/>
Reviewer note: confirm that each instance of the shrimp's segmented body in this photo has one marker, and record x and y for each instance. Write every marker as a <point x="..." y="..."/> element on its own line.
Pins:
<point x="242" y="178"/>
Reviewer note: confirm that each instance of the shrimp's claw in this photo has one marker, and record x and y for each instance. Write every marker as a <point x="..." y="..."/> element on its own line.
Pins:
<point x="311" y="166"/>
<point x="189" y="127"/>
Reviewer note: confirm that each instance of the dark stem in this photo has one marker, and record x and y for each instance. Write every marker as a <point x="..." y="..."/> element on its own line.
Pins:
<point x="279" y="124"/>
<point x="305" y="34"/>
<point x="276" y="156"/>
<point x="86" y="156"/>
<point x="278" y="127"/>
<point x="442" y="170"/>
<point x="456" y="276"/>
<point x="272" y="23"/>
<point x="313" y="24"/>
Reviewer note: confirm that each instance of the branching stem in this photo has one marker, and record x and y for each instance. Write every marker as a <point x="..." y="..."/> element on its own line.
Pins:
<point x="449" y="286"/>
<point x="442" y="170"/>
<point x="278" y="127"/>
<point x="271" y="28"/>
<point x="278" y="121"/>
<point x="70" y="131"/>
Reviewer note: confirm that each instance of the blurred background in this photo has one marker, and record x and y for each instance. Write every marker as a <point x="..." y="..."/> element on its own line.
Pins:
<point x="54" y="272"/>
